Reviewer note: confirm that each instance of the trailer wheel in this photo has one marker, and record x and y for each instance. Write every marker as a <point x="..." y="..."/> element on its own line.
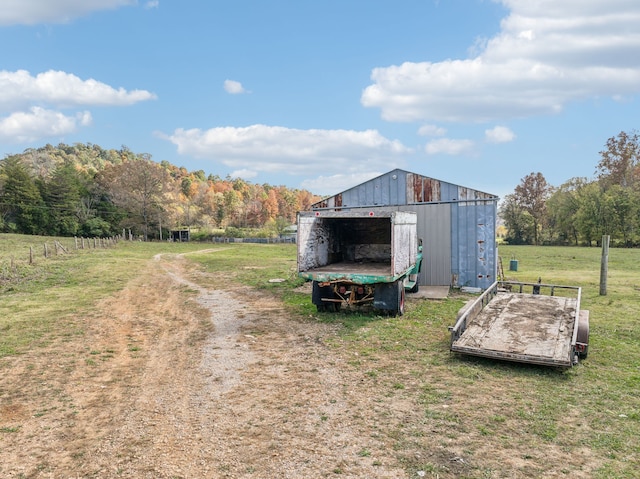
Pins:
<point x="328" y="307"/>
<point x="318" y="293"/>
<point x="389" y="298"/>
<point x="400" y="298"/>
<point x="416" y="286"/>
<point x="583" y="334"/>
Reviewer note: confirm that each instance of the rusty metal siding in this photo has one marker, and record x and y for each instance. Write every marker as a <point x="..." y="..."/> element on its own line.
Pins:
<point x="399" y="187"/>
<point x="421" y="189"/>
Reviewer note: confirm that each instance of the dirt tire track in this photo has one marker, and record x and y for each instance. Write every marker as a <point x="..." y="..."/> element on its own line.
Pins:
<point x="221" y="385"/>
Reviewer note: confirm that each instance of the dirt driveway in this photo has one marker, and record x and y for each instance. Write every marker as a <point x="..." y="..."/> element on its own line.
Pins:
<point x="169" y="379"/>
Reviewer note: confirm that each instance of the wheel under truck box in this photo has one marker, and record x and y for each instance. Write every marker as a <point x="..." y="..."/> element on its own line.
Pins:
<point x="359" y="257"/>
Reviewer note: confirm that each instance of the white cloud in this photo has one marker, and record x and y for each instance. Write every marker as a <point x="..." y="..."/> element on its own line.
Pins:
<point x="431" y="130"/>
<point x="547" y="53"/>
<point x="32" y="12"/>
<point x="24" y="127"/>
<point x="20" y="88"/>
<point x="245" y="174"/>
<point x="262" y="148"/>
<point x="499" y="134"/>
<point x="447" y="146"/>
<point x="152" y="4"/>
<point x="30" y="101"/>
<point x="234" y="87"/>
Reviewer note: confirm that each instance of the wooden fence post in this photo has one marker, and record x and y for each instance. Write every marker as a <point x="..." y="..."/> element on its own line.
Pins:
<point x="59" y="245"/>
<point x="604" y="265"/>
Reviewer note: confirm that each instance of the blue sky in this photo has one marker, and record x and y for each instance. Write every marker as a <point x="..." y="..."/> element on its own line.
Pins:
<point x="323" y="95"/>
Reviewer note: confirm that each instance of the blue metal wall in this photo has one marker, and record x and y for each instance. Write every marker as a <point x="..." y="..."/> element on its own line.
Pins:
<point x="473" y="244"/>
<point x="463" y="234"/>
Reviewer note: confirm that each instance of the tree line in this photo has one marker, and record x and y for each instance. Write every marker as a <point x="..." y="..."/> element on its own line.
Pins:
<point x="581" y="211"/>
<point x="85" y="190"/>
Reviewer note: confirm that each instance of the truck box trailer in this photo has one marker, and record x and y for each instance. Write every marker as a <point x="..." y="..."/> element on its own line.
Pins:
<point x="359" y="257"/>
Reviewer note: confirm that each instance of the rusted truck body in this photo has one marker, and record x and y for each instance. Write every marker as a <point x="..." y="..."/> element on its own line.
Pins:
<point x="524" y="322"/>
<point x="359" y="257"/>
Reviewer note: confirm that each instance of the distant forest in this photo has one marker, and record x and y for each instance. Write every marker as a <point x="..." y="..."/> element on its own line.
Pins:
<point x="85" y="190"/>
<point x="581" y="211"/>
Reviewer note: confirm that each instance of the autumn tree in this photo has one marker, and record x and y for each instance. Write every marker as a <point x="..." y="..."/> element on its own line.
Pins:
<point x="289" y="204"/>
<point x="562" y="207"/>
<point x="620" y="161"/>
<point x="532" y="194"/>
<point x="594" y="217"/>
<point x="137" y="186"/>
<point x="518" y="222"/>
<point x="304" y="200"/>
<point x="85" y="189"/>
<point x="624" y="206"/>
<point x="270" y="205"/>
<point x="212" y="206"/>
<point x="189" y="189"/>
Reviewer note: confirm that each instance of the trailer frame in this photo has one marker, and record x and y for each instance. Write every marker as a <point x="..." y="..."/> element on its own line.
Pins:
<point x="497" y="331"/>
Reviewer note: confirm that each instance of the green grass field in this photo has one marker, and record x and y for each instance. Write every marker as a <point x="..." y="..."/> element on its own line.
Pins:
<point x="581" y="422"/>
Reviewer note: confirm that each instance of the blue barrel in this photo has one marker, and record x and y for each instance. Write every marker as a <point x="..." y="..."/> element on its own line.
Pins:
<point x="513" y="265"/>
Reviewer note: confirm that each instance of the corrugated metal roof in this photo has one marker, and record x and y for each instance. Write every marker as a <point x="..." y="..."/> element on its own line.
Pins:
<point x="400" y="187"/>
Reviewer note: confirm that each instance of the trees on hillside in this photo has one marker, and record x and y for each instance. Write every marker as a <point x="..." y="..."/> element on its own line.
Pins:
<point x="66" y="194"/>
<point x="581" y="211"/>
<point x="87" y="190"/>
<point x="137" y="186"/>
<point x="22" y="204"/>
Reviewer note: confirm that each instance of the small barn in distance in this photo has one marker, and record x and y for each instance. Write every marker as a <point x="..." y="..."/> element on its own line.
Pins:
<point x="180" y="235"/>
<point x="457" y="225"/>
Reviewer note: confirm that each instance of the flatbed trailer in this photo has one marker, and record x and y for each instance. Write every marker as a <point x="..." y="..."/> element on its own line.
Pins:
<point x="545" y="326"/>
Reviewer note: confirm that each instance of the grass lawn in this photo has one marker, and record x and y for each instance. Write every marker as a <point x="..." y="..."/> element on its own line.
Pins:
<point x="508" y="420"/>
<point x="590" y="413"/>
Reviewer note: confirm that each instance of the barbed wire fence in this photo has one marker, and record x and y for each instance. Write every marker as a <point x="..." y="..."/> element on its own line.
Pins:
<point x="16" y="265"/>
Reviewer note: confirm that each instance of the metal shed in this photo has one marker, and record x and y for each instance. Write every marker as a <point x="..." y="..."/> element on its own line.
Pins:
<point x="456" y="224"/>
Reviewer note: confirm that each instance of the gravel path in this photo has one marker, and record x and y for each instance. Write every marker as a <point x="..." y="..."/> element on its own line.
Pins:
<point x="173" y="380"/>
